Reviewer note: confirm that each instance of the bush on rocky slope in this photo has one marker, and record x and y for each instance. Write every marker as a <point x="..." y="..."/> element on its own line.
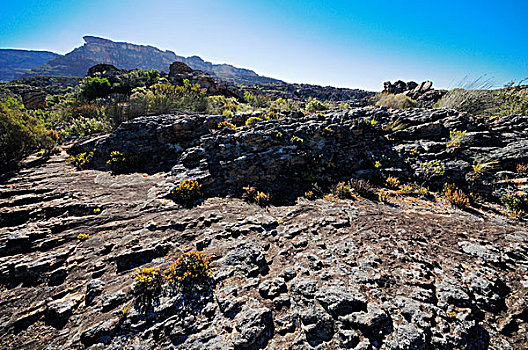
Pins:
<point x="20" y="134"/>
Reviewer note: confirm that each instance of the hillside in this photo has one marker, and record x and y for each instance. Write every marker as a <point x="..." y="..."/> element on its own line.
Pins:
<point x="15" y="63"/>
<point x="129" y="56"/>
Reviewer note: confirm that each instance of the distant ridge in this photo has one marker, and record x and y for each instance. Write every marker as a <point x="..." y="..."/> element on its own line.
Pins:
<point x="130" y="56"/>
<point x="15" y="63"/>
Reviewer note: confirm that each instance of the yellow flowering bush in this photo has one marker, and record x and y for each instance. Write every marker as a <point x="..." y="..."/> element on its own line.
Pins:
<point x="187" y="190"/>
<point x="149" y="280"/>
<point x="392" y="182"/>
<point x="253" y="195"/>
<point x="191" y="268"/>
<point x="81" y="161"/>
<point x="226" y="125"/>
<point x="83" y="236"/>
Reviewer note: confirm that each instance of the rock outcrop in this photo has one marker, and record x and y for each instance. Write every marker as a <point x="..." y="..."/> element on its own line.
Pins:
<point x="285" y="157"/>
<point x="423" y="93"/>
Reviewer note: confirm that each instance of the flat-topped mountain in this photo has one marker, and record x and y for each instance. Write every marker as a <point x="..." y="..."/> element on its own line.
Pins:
<point x="15" y="63"/>
<point x="129" y="56"/>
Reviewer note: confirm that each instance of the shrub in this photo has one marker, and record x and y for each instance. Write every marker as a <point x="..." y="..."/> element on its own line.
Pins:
<point x="21" y="134"/>
<point x="314" y="105"/>
<point x="362" y="188"/>
<point x="117" y="163"/>
<point x="253" y="195"/>
<point x="253" y="120"/>
<point x="455" y="138"/>
<point x="399" y="101"/>
<point x="149" y="281"/>
<point x="384" y="197"/>
<point x="522" y="169"/>
<point x="296" y="140"/>
<point x="342" y="190"/>
<point x="455" y="196"/>
<point x="190" y="269"/>
<point x="94" y="87"/>
<point x="81" y="161"/>
<point x="512" y="203"/>
<point x="310" y="195"/>
<point x="188" y="190"/>
<point x="392" y="182"/>
<point x="432" y="168"/>
<point x="83" y="236"/>
<point x="226" y="125"/>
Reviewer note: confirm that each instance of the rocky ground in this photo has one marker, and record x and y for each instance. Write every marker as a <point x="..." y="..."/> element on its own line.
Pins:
<point x="326" y="273"/>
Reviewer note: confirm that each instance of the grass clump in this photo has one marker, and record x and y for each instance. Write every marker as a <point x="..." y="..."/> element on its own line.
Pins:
<point x="342" y="190"/>
<point x="455" y="196"/>
<point x="522" y="169"/>
<point x="480" y="166"/>
<point x="398" y="101"/>
<point x="81" y="161"/>
<point x="513" y="204"/>
<point x="455" y="138"/>
<point x="188" y="190"/>
<point x="384" y="197"/>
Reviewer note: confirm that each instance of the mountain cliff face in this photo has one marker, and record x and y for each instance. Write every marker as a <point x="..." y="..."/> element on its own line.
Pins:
<point x="14" y="63"/>
<point x="129" y="56"/>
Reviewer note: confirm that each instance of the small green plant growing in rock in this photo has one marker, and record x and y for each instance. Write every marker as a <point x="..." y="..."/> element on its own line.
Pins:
<point x="310" y="195"/>
<point x="188" y="190"/>
<point x="81" y="161"/>
<point x="192" y="268"/>
<point x="513" y="204"/>
<point x="296" y="140"/>
<point x="253" y="195"/>
<point x="226" y="125"/>
<point x="392" y="182"/>
<point x="432" y="168"/>
<point x="83" y="236"/>
<point x="455" y="196"/>
<point x="253" y="120"/>
<point x="455" y="138"/>
<point x="384" y="197"/>
<point x="377" y="164"/>
<point x="96" y="211"/>
<point x="342" y="190"/>
<point x="117" y="162"/>
<point x="414" y="153"/>
<point x="278" y="135"/>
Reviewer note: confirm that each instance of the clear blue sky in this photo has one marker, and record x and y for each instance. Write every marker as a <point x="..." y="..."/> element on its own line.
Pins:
<point x="340" y="43"/>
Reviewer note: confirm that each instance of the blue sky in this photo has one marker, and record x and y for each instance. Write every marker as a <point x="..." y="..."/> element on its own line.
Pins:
<point x="341" y="43"/>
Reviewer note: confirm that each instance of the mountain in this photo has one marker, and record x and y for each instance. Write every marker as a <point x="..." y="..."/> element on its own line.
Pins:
<point x="129" y="56"/>
<point x="15" y="63"/>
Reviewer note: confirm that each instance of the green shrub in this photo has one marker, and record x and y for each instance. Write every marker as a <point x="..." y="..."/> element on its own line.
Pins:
<point x="21" y="134"/>
<point x="94" y="87"/>
<point x="398" y="101"/>
<point x="342" y="190"/>
<point x="314" y="105"/>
